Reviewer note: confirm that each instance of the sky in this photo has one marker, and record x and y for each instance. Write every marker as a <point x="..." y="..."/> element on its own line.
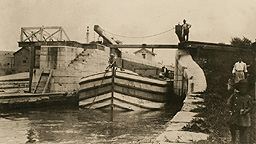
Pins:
<point x="214" y="21"/>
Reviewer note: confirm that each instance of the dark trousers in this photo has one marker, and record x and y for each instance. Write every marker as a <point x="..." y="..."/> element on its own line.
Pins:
<point x="185" y="35"/>
<point x="242" y="133"/>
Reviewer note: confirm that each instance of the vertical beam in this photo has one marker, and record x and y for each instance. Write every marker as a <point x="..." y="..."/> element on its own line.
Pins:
<point x="32" y="33"/>
<point x="41" y="33"/>
<point x="21" y="34"/>
<point x="31" y="66"/>
<point x="87" y="35"/>
<point x="60" y="38"/>
<point x="112" y="91"/>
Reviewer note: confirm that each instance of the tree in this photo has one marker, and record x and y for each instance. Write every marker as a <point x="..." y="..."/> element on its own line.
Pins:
<point x="238" y="42"/>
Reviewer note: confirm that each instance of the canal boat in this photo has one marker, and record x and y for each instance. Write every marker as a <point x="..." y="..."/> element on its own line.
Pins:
<point x="17" y="101"/>
<point x="122" y="90"/>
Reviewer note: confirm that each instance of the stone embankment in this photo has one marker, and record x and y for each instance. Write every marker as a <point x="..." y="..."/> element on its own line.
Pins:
<point x="174" y="133"/>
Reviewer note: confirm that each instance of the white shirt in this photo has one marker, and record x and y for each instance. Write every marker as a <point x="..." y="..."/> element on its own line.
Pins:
<point x="239" y="66"/>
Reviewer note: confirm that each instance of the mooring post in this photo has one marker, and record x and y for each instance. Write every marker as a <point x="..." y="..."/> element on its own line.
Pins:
<point x="112" y="91"/>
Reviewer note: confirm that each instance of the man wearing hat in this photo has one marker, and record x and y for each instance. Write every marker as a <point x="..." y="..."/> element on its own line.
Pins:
<point x="240" y="105"/>
<point x="185" y="30"/>
<point x="111" y="61"/>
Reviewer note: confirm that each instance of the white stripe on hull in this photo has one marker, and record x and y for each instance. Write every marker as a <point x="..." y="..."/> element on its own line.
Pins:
<point x="125" y="102"/>
<point x="139" y="102"/>
<point x="140" y="85"/>
<point x="95" y="99"/>
<point x="95" y="83"/>
<point x="99" y="105"/>
<point x="137" y="77"/>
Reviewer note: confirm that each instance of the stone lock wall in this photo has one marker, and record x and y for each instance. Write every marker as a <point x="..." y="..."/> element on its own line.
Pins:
<point x="188" y="76"/>
<point x="69" y="65"/>
<point x="189" y="80"/>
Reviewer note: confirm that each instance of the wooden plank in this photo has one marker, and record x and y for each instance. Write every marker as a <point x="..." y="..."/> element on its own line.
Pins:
<point x="96" y="99"/>
<point x="45" y="27"/>
<point x="88" y="93"/>
<point x="37" y="83"/>
<point x="51" y="35"/>
<point x="33" y="34"/>
<point x="142" y="86"/>
<point x="140" y="94"/>
<point x="48" y="80"/>
<point x="96" y="83"/>
<point x="133" y="101"/>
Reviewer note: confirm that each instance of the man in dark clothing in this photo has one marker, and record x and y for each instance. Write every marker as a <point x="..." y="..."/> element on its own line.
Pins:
<point x="240" y="105"/>
<point x="111" y="62"/>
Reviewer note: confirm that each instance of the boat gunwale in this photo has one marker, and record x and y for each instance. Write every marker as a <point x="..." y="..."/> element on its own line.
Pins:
<point x="94" y="79"/>
<point x="126" y="78"/>
<point x="142" y="81"/>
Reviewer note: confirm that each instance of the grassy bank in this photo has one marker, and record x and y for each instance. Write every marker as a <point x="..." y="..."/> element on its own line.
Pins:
<point x="215" y="113"/>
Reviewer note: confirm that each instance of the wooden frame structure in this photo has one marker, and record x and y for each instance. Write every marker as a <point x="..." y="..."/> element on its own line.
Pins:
<point x="35" y="34"/>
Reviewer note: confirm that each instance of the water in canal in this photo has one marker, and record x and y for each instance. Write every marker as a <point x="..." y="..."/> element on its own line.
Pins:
<point x="65" y="125"/>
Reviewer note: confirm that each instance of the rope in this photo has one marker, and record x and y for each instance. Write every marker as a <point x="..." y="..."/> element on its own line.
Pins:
<point x="148" y="36"/>
<point x="107" y="69"/>
<point x="99" y="88"/>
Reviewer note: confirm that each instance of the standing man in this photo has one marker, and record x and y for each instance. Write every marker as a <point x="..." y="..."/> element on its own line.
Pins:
<point x="185" y="30"/>
<point x="239" y="70"/>
<point x="111" y="62"/>
<point x="240" y="106"/>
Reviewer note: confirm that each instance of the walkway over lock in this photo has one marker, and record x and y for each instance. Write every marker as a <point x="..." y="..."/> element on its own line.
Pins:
<point x="184" y="45"/>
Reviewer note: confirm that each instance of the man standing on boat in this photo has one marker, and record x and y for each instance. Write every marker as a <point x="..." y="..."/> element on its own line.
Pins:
<point x="185" y="30"/>
<point x="111" y="61"/>
<point x="239" y="70"/>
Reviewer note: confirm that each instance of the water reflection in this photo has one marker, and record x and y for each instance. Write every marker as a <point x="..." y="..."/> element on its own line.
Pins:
<point x="62" y="125"/>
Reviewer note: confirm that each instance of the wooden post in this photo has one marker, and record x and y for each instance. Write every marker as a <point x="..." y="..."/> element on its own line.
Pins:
<point x="112" y="91"/>
<point x="21" y="34"/>
<point x="60" y="38"/>
<point x="41" y="33"/>
<point x="31" y="66"/>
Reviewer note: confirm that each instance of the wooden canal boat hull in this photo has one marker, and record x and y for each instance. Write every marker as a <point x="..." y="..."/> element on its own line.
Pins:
<point x="124" y="91"/>
<point x="16" y="101"/>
